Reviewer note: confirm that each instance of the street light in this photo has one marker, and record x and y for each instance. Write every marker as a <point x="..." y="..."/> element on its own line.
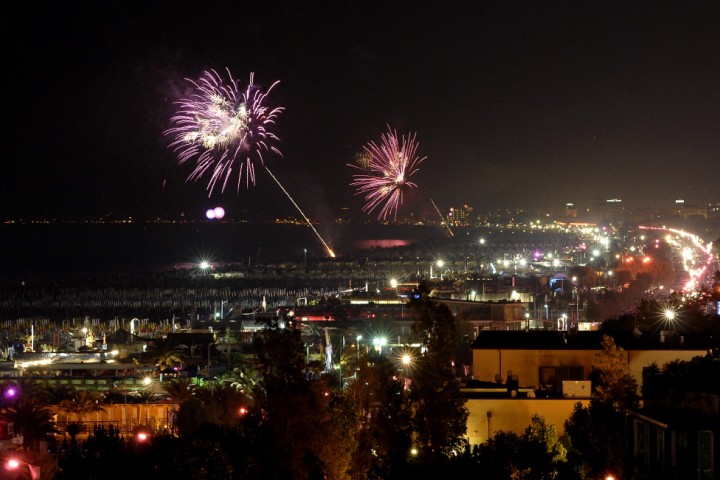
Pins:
<point x="379" y="343"/>
<point x="13" y="465"/>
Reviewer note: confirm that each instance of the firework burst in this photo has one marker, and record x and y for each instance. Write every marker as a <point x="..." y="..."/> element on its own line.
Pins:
<point x="224" y="129"/>
<point x="386" y="173"/>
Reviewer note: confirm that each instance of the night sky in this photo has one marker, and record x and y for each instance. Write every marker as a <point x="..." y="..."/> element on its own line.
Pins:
<point x="515" y="103"/>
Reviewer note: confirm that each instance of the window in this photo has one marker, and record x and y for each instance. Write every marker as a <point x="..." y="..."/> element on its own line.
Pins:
<point x="551" y="378"/>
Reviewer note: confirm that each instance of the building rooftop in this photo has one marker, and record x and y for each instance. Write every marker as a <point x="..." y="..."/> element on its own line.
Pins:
<point x="583" y="340"/>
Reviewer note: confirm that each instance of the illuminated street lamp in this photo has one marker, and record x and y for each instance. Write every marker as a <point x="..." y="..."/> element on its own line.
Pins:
<point x="406" y="359"/>
<point x="14" y="464"/>
<point x="379" y="343"/>
<point x="440" y="265"/>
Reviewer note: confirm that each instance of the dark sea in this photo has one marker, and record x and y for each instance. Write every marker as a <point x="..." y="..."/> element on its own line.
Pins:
<point x="66" y="251"/>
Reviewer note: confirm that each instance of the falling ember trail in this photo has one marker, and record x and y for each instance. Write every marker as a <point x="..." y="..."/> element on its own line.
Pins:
<point x="442" y="219"/>
<point x="329" y="250"/>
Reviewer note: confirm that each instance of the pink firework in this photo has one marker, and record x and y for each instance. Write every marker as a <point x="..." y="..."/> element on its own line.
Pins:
<point x="223" y="129"/>
<point x="387" y="171"/>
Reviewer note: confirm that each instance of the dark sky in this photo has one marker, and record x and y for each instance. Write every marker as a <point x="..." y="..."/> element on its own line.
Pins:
<point x="515" y="103"/>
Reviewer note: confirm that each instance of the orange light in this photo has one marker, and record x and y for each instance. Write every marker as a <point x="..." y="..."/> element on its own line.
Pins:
<point x="142" y="437"/>
<point x="646" y="259"/>
<point x="242" y="411"/>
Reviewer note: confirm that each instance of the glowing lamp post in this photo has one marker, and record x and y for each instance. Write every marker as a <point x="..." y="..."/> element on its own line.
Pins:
<point x="379" y="343"/>
<point x="14" y="465"/>
<point x="406" y="360"/>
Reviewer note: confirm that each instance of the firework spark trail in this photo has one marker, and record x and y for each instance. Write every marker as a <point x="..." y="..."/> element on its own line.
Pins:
<point x="388" y="169"/>
<point x="442" y="219"/>
<point x="329" y="250"/>
<point x="224" y="129"/>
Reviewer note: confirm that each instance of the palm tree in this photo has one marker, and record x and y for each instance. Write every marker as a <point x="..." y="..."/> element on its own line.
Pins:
<point x="180" y="389"/>
<point x="32" y="418"/>
<point x="81" y="403"/>
<point x="146" y="395"/>
<point x="165" y="354"/>
<point x="28" y="409"/>
<point x="55" y="394"/>
<point x="73" y="429"/>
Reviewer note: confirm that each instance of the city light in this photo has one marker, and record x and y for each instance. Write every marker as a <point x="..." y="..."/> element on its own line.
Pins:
<point x="379" y="343"/>
<point x="14" y="464"/>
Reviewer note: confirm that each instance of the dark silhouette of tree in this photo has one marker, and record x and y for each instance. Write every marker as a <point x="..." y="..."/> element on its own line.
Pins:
<point x="180" y="389"/>
<point x="73" y="429"/>
<point x="298" y="437"/>
<point x="595" y="439"/>
<point x="31" y="418"/>
<point x="497" y="457"/>
<point x="28" y="410"/>
<point x="164" y="354"/>
<point x="439" y="416"/>
<point x="595" y="435"/>
<point x="82" y="403"/>
<point x="56" y="393"/>
<point x="383" y="413"/>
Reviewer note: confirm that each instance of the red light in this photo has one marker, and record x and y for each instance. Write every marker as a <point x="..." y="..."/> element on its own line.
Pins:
<point x="142" y="437"/>
<point x="243" y="411"/>
<point x="12" y="464"/>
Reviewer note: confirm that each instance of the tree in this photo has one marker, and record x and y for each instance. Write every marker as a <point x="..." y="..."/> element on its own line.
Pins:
<point x="79" y="403"/>
<point x="180" y="389"/>
<point x="595" y="439"/>
<point x="165" y="354"/>
<point x="541" y="455"/>
<point x="614" y="384"/>
<point x="32" y="419"/>
<point x="439" y="416"/>
<point x="28" y="411"/>
<point x="382" y="415"/>
<point x="82" y="403"/>
<point x="595" y="435"/>
<point x="297" y="435"/>
<point x="497" y="457"/>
